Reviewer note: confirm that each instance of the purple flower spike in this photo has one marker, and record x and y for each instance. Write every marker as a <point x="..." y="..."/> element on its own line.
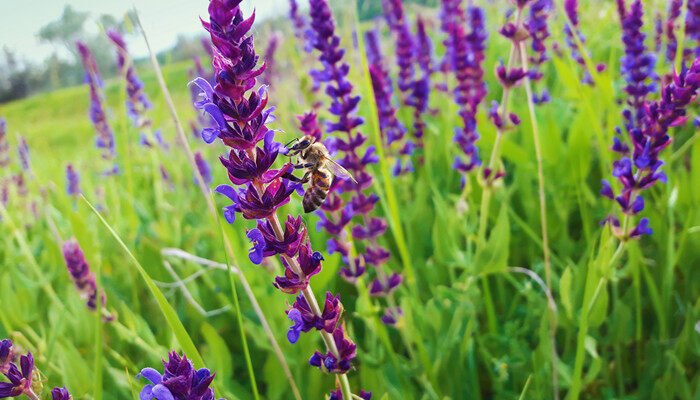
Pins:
<point x="468" y="56"/>
<point x="640" y="166"/>
<point x="72" y="181"/>
<point x="105" y="136"/>
<point x="80" y="273"/>
<point x="390" y="127"/>
<point x="60" y="394"/>
<point x="203" y="167"/>
<point x="329" y="362"/>
<point x="4" y="144"/>
<point x="405" y="48"/>
<point x="692" y="24"/>
<point x="23" y="154"/>
<point x="674" y="12"/>
<point x="179" y="381"/>
<point x="637" y="65"/>
<point x="136" y="100"/>
<point x="241" y="120"/>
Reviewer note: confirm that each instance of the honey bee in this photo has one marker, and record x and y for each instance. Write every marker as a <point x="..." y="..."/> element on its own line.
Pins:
<point x="319" y="169"/>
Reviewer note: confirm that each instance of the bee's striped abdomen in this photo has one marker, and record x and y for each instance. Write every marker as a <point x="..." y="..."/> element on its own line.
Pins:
<point x="317" y="190"/>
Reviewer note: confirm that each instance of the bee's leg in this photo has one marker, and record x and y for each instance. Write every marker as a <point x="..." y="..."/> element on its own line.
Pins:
<point x="309" y="165"/>
<point x="306" y="177"/>
<point x="291" y="177"/>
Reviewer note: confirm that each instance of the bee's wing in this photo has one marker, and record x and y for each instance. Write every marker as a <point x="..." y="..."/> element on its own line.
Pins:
<point x="338" y="170"/>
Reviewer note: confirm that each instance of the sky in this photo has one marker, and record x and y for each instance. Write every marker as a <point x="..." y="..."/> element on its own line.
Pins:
<point x="163" y="20"/>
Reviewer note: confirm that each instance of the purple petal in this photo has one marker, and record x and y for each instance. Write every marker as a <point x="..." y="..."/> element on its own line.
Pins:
<point x="146" y="393"/>
<point x="151" y="374"/>
<point x="160" y="392"/>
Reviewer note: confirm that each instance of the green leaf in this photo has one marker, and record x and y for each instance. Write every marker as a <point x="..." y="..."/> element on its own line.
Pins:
<point x="168" y="312"/>
<point x="218" y="354"/>
<point x="494" y="256"/>
<point x="565" y="291"/>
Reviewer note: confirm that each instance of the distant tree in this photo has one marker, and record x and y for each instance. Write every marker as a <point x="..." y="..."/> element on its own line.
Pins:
<point x="66" y="29"/>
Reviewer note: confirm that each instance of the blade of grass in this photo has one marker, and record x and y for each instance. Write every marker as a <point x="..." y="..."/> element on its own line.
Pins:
<point x="168" y="312"/>
<point x="131" y="383"/>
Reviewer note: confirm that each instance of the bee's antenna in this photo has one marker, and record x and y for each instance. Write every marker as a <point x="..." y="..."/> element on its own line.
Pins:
<point x="289" y="142"/>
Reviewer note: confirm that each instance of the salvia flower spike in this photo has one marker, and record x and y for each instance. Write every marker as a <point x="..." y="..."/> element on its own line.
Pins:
<point x="4" y="144"/>
<point x="392" y="130"/>
<point x="338" y="215"/>
<point x="82" y="277"/>
<point x="637" y="65"/>
<point x="179" y="381"/>
<point x="137" y="103"/>
<point x="468" y="55"/>
<point x="105" y="136"/>
<point x="640" y="166"/>
<point x="72" y="181"/>
<point x="241" y="123"/>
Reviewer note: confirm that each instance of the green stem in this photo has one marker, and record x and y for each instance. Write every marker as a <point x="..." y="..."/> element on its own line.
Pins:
<point x="239" y="320"/>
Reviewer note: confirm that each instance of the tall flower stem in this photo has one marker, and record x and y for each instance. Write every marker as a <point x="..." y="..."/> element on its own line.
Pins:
<point x="212" y="210"/>
<point x="543" y="212"/>
<point x="495" y="158"/>
<point x="309" y="296"/>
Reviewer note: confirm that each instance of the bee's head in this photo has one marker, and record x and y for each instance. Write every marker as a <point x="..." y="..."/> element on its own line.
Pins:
<point x="301" y="143"/>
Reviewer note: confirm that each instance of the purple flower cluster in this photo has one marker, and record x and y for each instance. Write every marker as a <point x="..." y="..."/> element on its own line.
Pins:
<point x="270" y="64"/>
<point x="203" y="167"/>
<point x="409" y="51"/>
<point x="338" y="216"/>
<point x="302" y="31"/>
<point x="80" y="273"/>
<point x="60" y="394"/>
<point x="391" y="128"/>
<point x="72" y="181"/>
<point x="20" y="378"/>
<point x="571" y="31"/>
<point x="420" y="90"/>
<point x="674" y="12"/>
<point x="637" y="65"/>
<point x="105" y="135"/>
<point x="241" y="123"/>
<point x="179" y="381"/>
<point x="23" y="154"/>
<point x="692" y="24"/>
<point x="338" y="395"/>
<point x="405" y="47"/>
<point x="4" y="144"/>
<point x="468" y="56"/>
<point x="536" y="25"/>
<point x="451" y="14"/>
<point x="136" y="101"/>
<point x="640" y="165"/>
